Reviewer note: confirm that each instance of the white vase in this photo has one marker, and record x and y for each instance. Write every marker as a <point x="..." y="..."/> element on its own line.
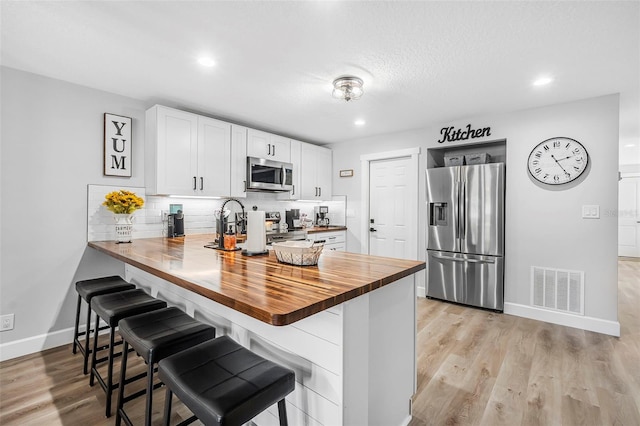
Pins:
<point x="124" y="226"/>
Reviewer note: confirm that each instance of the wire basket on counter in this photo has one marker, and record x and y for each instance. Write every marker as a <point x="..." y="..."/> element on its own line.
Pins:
<point x="301" y="253"/>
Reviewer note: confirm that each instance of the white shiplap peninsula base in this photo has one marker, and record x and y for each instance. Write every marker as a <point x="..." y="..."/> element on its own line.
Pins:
<point x="347" y="326"/>
<point x="354" y="363"/>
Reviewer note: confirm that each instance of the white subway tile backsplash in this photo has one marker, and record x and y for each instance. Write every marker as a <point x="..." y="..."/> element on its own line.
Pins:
<point x="198" y="212"/>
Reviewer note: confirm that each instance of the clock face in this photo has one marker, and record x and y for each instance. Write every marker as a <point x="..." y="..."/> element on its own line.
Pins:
<point x="557" y="161"/>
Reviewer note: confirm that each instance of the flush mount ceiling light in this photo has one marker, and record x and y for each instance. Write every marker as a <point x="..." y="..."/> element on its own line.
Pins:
<point x="347" y="88"/>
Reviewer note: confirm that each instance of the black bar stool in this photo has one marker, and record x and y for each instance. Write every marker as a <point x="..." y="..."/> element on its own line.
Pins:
<point x="155" y="335"/>
<point x="223" y="383"/>
<point x="87" y="289"/>
<point x="112" y="308"/>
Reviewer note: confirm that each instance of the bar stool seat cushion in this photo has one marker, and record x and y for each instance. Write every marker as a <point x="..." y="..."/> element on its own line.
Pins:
<point x="115" y="306"/>
<point x="158" y="334"/>
<point x="89" y="288"/>
<point x="224" y="383"/>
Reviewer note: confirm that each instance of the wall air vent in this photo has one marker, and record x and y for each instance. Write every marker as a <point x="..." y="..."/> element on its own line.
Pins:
<point x="557" y="289"/>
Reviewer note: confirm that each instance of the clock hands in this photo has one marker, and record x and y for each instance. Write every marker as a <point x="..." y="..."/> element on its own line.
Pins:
<point x="565" y="158"/>
<point x="558" y="163"/>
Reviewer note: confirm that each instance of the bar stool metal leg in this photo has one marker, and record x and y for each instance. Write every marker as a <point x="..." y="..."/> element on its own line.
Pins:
<point x="77" y="325"/>
<point x="282" y="412"/>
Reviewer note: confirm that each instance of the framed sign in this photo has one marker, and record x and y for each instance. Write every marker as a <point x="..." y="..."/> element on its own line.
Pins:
<point x="117" y="145"/>
<point x="346" y="173"/>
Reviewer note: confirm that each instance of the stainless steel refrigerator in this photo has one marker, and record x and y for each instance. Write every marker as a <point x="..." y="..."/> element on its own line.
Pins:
<point x="465" y="234"/>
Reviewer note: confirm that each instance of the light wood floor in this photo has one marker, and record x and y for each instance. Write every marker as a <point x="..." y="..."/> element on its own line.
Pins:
<point x="474" y="367"/>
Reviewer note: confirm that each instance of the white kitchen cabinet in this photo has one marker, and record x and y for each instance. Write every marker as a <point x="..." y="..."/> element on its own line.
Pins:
<point x="268" y="146"/>
<point x="333" y="240"/>
<point x="238" y="161"/>
<point x="294" y="194"/>
<point x="186" y="154"/>
<point x="315" y="172"/>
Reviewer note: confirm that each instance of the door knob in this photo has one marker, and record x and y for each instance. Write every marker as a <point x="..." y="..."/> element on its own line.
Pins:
<point x="373" y="230"/>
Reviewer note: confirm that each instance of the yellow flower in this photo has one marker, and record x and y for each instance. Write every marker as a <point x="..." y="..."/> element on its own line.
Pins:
<point x="123" y="202"/>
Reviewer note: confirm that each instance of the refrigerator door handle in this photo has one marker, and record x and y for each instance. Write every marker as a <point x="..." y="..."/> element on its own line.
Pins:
<point x="463" y="207"/>
<point x="457" y="212"/>
<point x="458" y="259"/>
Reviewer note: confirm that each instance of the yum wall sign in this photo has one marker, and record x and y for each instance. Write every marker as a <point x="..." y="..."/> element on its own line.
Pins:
<point x="451" y="134"/>
<point x="117" y="145"/>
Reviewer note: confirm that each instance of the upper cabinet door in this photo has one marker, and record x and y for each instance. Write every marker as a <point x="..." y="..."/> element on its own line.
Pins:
<point x="269" y="146"/>
<point x="238" y="161"/>
<point x="294" y="194"/>
<point x="315" y="172"/>
<point x="323" y="174"/>
<point x="213" y="176"/>
<point x="170" y="151"/>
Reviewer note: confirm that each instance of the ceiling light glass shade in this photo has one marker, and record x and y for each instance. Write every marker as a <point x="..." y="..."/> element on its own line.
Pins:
<point x="347" y="88"/>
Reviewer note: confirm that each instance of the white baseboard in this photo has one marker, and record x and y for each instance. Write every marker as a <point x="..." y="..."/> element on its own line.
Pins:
<point x="35" y="344"/>
<point x="597" y="325"/>
<point x="421" y="292"/>
<point x="31" y="345"/>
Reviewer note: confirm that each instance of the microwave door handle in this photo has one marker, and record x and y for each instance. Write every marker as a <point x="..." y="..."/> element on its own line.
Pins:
<point x="283" y="175"/>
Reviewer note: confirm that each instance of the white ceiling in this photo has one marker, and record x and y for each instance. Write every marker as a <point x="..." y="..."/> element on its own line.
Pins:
<point x="422" y="62"/>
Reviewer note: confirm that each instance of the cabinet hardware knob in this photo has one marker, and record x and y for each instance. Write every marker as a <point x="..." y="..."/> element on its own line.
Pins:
<point x="373" y="230"/>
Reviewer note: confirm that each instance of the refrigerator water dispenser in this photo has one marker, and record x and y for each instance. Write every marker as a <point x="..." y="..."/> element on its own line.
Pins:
<point x="438" y="214"/>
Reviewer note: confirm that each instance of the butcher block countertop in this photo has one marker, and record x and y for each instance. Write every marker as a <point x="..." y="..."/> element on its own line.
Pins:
<point x="331" y="228"/>
<point x="260" y="286"/>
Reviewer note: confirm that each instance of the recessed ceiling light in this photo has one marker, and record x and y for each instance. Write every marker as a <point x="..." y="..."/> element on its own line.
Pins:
<point x="542" y="81"/>
<point x="206" y="61"/>
<point x="630" y="145"/>
<point x="360" y="122"/>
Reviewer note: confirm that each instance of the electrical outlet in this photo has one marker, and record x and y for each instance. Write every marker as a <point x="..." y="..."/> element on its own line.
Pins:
<point x="6" y="322"/>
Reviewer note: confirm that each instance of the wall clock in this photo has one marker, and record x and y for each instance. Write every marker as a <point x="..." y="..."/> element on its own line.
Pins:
<point x="557" y="161"/>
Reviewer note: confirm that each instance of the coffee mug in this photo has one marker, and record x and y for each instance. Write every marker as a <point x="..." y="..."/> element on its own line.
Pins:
<point x="284" y="227"/>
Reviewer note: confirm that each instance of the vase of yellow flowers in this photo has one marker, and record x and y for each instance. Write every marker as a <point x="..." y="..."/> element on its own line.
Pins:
<point x="123" y="203"/>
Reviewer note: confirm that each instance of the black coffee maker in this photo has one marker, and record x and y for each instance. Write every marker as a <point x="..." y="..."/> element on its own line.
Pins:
<point x="292" y="218"/>
<point x="175" y="221"/>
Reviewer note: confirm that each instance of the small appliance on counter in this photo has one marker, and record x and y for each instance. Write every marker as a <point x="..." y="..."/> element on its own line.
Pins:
<point x="292" y="218"/>
<point x="276" y="231"/>
<point x="321" y="215"/>
<point x="175" y="221"/>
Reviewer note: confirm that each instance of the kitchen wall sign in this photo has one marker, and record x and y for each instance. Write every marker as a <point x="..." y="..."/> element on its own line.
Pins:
<point x="346" y="173"/>
<point x="117" y="145"/>
<point x="451" y="134"/>
<point x="557" y="161"/>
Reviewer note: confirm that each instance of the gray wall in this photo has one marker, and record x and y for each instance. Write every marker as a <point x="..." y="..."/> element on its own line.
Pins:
<point x="52" y="147"/>
<point x="52" y="142"/>
<point x="543" y="224"/>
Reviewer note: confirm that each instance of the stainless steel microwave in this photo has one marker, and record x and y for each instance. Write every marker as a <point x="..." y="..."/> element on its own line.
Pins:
<point x="269" y="175"/>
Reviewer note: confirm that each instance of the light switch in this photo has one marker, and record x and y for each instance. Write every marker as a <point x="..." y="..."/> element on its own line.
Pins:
<point x="591" y="212"/>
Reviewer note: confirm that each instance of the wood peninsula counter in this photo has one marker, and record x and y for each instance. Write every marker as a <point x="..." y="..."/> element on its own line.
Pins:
<point x="345" y="326"/>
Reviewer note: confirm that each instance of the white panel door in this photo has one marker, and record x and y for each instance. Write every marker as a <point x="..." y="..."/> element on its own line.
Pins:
<point x="629" y="217"/>
<point x="390" y="230"/>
